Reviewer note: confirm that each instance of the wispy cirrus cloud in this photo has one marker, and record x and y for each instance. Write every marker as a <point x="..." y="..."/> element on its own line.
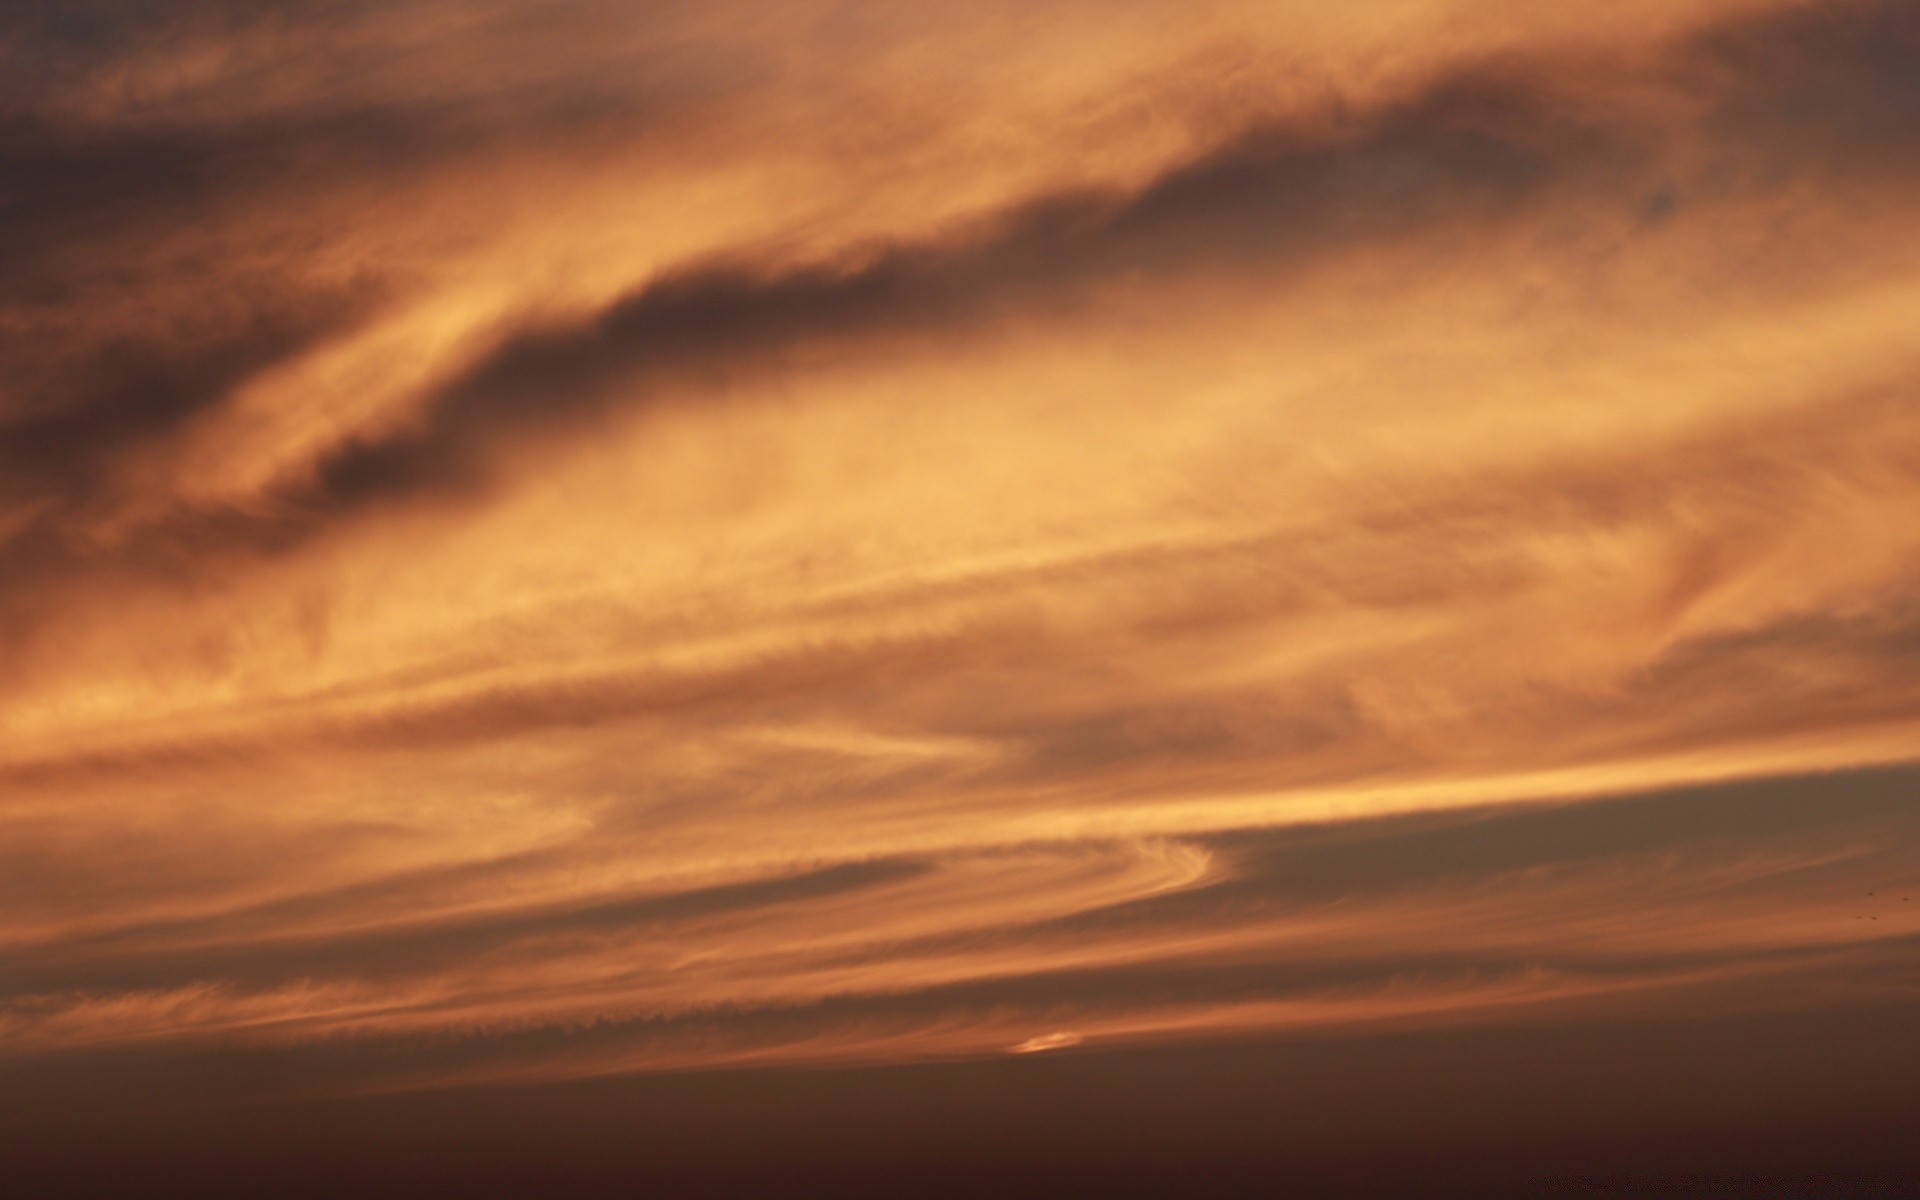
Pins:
<point x="699" y="542"/>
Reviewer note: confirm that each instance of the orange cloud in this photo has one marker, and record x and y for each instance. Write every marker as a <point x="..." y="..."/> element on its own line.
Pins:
<point x="880" y="536"/>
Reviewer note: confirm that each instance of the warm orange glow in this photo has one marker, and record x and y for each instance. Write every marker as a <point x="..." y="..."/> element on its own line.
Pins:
<point x="844" y="533"/>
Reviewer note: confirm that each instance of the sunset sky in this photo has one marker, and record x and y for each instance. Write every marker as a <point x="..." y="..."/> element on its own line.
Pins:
<point x="546" y="543"/>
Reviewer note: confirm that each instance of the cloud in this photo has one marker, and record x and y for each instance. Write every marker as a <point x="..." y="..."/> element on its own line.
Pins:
<point x="1467" y="149"/>
<point x="1464" y="147"/>
<point x="718" y="543"/>
<point x="1671" y="898"/>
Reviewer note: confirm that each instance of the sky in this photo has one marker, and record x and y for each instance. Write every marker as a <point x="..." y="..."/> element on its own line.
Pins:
<point x="551" y="544"/>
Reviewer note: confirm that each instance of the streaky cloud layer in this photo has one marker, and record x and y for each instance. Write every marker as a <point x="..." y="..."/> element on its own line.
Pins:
<point x="549" y="541"/>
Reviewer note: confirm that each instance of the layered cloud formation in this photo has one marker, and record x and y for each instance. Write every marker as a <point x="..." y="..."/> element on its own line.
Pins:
<point x="546" y="540"/>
